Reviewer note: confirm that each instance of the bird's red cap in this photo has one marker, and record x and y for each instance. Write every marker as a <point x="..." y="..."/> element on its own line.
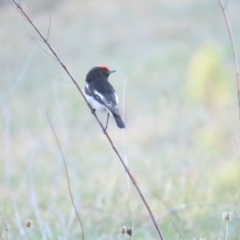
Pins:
<point x="104" y="67"/>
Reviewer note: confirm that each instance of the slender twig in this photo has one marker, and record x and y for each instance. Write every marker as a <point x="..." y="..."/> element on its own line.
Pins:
<point x="176" y="229"/>
<point x="226" y="237"/>
<point x="27" y="8"/>
<point x="42" y="48"/>
<point x="26" y="36"/>
<point x="59" y="79"/>
<point x="5" y="224"/>
<point x="10" y="1"/>
<point x="67" y="176"/>
<point x="19" y="35"/>
<point x="126" y="160"/>
<point x="49" y="25"/>
<point x="233" y="51"/>
<point x="225" y="5"/>
<point x="18" y="6"/>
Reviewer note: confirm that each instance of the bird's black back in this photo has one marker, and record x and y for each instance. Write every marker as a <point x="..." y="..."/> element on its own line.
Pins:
<point x="101" y="86"/>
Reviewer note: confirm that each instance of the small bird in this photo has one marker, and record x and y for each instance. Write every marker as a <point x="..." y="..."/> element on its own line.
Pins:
<point x="101" y="95"/>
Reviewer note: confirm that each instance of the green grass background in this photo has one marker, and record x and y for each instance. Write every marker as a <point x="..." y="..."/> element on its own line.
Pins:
<point x="182" y="135"/>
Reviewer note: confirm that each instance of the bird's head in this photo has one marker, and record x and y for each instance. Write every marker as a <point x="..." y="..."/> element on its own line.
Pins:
<point x="101" y="71"/>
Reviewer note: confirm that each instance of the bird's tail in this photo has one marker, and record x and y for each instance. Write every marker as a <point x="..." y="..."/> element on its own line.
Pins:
<point x="119" y="121"/>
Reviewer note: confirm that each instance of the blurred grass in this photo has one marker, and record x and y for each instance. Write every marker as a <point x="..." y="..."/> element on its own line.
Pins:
<point x="182" y="137"/>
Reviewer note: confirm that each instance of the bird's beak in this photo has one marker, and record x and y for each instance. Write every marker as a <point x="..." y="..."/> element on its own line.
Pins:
<point x="112" y="71"/>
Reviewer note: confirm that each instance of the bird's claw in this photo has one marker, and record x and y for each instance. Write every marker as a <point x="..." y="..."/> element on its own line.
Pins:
<point x="93" y="111"/>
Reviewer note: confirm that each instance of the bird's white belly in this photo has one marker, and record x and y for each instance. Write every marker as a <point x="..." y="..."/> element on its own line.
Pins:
<point x="95" y="104"/>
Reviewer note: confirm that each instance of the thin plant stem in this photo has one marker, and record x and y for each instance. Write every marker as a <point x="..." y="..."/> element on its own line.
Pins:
<point x="5" y="224"/>
<point x="126" y="160"/>
<point x="226" y="231"/>
<point x="176" y="229"/>
<point x="233" y="51"/>
<point x="67" y="176"/>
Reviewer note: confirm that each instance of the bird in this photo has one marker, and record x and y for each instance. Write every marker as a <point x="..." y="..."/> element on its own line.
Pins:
<point x="101" y="95"/>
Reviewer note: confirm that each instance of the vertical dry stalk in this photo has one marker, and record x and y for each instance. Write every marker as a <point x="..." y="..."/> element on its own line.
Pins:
<point x="177" y="230"/>
<point x="5" y="224"/>
<point x="57" y="58"/>
<point x="68" y="179"/>
<point x="226" y="237"/>
<point x="233" y="50"/>
<point x="126" y="160"/>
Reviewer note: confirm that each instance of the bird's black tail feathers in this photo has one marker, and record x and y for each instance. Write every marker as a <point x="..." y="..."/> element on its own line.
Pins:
<point x="119" y="121"/>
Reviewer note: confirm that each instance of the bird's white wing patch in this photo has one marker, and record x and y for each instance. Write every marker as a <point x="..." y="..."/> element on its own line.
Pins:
<point x="86" y="90"/>
<point x="116" y="97"/>
<point x="102" y="98"/>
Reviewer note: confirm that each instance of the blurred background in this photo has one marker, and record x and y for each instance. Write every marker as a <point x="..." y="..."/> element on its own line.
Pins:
<point x="181" y="115"/>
